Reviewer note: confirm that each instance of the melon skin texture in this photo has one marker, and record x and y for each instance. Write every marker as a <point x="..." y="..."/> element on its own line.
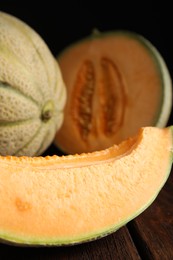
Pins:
<point x="78" y="198"/>
<point x="116" y="83"/>
<point x="32" y="91"/>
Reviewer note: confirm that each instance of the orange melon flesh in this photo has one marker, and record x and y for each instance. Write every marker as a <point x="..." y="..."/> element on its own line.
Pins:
<point x="116" y="83"/>
<point x="77" y="198"/>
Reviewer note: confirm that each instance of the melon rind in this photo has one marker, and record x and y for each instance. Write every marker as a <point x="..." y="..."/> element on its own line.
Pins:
<point x="166" y="106"/>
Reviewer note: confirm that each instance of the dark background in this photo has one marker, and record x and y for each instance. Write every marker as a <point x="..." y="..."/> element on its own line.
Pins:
<point x="61" y="23"/>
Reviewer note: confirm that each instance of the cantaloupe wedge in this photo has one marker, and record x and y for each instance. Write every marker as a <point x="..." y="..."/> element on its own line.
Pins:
<point x="77" y="198"/>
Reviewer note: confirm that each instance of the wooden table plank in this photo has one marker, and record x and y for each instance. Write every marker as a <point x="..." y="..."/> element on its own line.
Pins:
<point x="117" y="246"/>
<point x="152" y="231"/>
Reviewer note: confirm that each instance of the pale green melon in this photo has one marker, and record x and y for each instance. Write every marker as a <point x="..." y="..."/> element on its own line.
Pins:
<point x="32" y="92"/>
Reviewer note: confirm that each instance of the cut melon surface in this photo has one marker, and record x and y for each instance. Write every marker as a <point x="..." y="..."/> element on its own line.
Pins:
<point x="116" y="83"/>
<point x="77" y="198"/>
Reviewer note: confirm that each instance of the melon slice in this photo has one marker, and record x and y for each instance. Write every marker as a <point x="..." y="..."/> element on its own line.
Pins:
<point x="116" y="83"/>
<point x="76" y="198"/>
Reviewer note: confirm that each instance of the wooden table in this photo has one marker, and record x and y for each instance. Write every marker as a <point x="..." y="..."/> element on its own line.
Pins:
<point x="149" y="236"/>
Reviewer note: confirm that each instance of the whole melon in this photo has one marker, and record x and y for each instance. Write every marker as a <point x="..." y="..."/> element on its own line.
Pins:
<point x="32" y="91"/>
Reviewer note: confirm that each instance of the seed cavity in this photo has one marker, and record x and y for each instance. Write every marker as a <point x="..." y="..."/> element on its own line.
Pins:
<point x="83" y="98"/>
<point x="112" y="97"/>
<point x="103" y="86"/>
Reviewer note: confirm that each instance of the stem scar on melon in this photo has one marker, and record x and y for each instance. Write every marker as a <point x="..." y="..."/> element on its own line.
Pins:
<point x="47" y="111"/>
<point x="78" y="198"/>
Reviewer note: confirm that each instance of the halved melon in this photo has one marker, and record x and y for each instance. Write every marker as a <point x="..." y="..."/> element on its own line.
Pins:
<point x="117" y="82"/>
<point x="73" y="199"/>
